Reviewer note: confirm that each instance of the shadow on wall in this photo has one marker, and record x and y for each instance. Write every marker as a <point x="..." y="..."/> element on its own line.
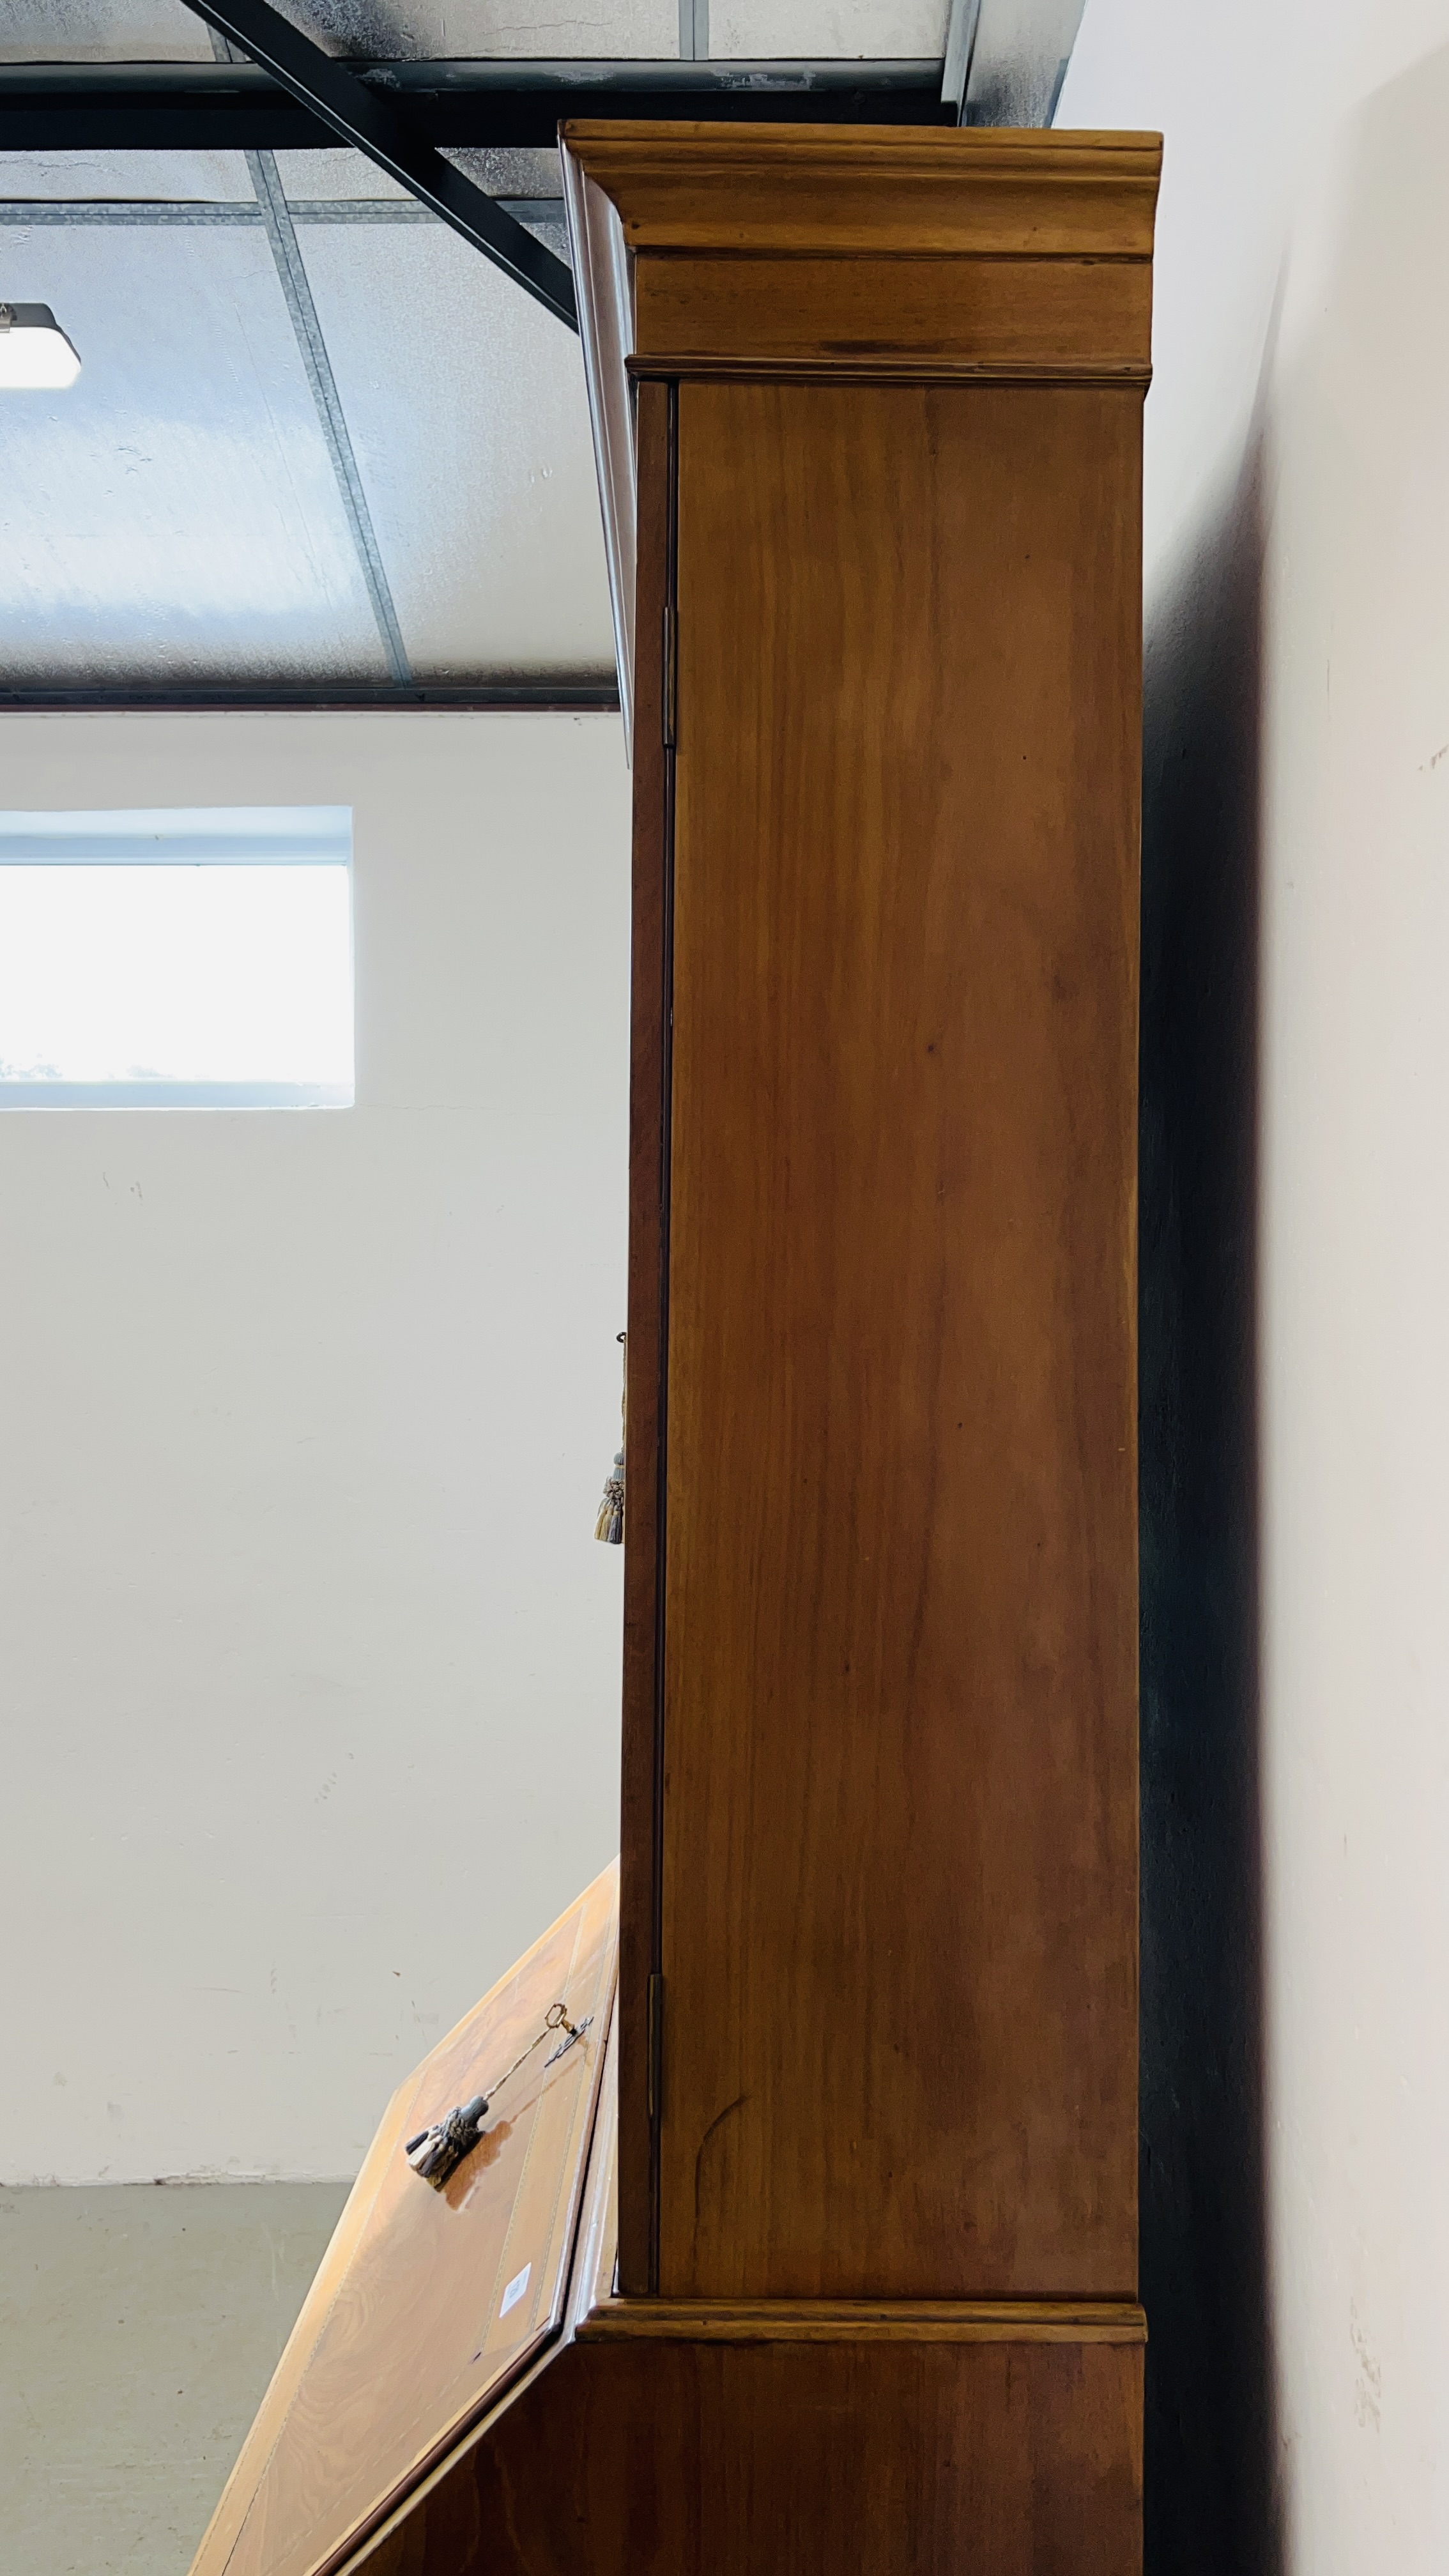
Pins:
<point x="1209" y="2434"/>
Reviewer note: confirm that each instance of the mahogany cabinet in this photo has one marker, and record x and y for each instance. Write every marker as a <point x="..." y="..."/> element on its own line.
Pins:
<point x="878" y="2020"/>
<point x="854" y="2269"/>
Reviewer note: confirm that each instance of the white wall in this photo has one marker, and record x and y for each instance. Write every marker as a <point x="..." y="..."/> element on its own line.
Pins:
<point x="310" y="1663"/>
<point x="1298" y="627"/>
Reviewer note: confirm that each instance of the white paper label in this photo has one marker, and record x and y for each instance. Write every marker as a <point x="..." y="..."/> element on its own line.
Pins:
<point x="515" y="2290"/>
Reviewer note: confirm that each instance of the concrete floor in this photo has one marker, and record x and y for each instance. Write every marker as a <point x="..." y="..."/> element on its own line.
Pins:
<point x="139" y="2325"/>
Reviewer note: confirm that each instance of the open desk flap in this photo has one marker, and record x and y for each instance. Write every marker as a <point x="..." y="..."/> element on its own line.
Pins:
<point x="430" y="2302"/>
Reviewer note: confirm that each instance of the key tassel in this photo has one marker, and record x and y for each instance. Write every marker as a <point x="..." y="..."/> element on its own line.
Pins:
<point x="436" y="2153"/>
<point x="610" y="1524"/>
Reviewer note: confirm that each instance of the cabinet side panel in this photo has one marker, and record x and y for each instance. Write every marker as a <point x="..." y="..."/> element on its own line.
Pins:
<point x="647" y="1253"/>
<point x="899" y="1902"/>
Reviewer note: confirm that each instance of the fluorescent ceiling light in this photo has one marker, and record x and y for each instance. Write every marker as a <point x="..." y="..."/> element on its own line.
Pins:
<point x="35" y="355"/>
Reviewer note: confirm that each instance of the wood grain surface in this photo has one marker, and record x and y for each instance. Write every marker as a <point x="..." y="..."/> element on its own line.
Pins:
<point x="403" y="2339"/>
<point x="1002" y="318"/>
<point x="900" y="1827"/>
<point x="867" y="2439"/>
<point x="652" y="2459"/>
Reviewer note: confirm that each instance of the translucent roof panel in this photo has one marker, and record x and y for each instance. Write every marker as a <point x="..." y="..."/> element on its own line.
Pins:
<point x="317" y="440"/>
<point x="339" y="174"/>
<point x="429" y="30"/>
<point x="64" y="31"/>
<point x="432" y="30"/>
<point x="216" y="178"/>
<point x="175" y="514"/>
<point x="199" y="177"/>
<point x="178" y="517"/>
<point x="469" y="418"/>
<point x="877" y="30"/>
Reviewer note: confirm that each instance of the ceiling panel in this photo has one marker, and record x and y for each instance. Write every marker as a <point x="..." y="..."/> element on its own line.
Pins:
<point x="468" y="416"/>
<point x="203" y="507"/>
<point x="174" y="515"/>
<point x="430" y="30"/>
<point x="340" y="174"/>
<point x="210" y="177"/>
<point x="61" y="31"/>
<point x="218" y="177"/>
<point x="879" y="30"/>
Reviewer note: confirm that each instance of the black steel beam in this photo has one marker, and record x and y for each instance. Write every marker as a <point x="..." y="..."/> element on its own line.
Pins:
<point x="341" y="697"/>
<point x="150" y="107"/>
<point x="239" y="107"/>
<point x="372" y="122"/>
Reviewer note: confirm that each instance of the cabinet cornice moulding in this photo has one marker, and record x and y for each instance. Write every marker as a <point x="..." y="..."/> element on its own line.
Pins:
<point x="868" y="254"/>
<point x="903" y="192"/>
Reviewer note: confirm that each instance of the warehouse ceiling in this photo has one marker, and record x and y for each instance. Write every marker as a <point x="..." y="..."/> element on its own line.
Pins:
<point x="321" y="448"/>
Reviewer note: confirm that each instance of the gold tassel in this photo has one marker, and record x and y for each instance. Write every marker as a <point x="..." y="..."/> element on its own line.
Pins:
<point x="610" y="1524"/>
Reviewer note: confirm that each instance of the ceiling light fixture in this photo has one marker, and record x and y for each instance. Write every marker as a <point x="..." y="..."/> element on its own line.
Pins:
<point x="35" y="355"/>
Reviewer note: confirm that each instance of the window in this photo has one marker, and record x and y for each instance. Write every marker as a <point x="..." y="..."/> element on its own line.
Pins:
<point x="183" y="957"/>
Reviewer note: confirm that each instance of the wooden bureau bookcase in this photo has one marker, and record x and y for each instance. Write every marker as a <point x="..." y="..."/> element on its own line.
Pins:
<point x="854" y="2269"/>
